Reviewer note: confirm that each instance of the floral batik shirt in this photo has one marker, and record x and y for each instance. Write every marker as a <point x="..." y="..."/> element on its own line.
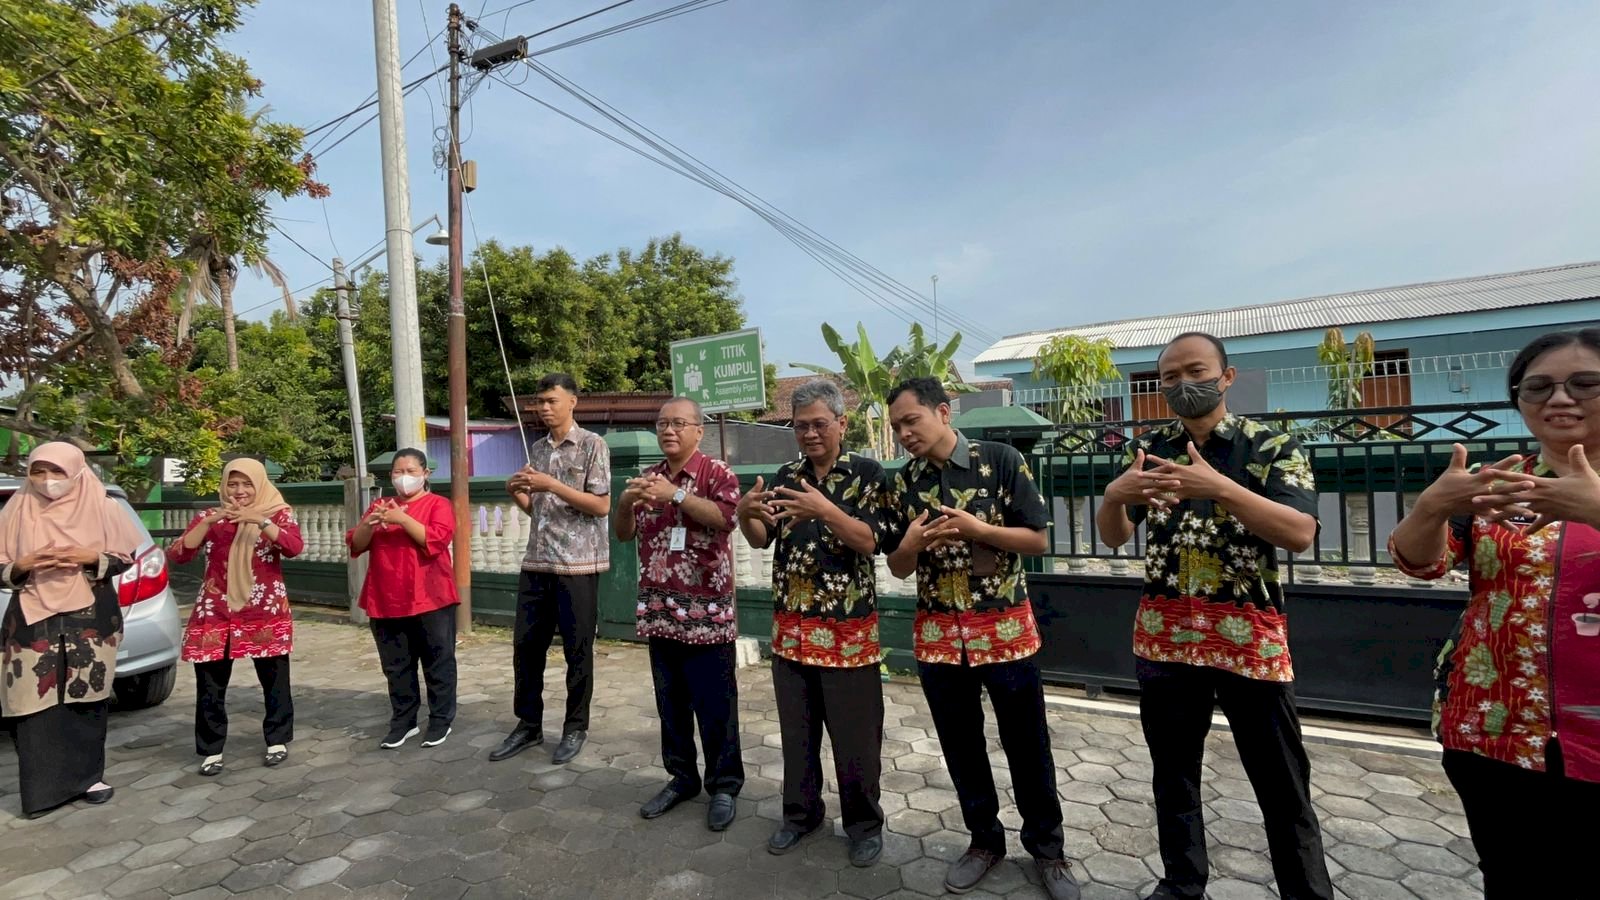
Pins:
<point x="824" y="594"/>
<point x="972" y="599"/>
<point x="262" y="627"/>
<point x="687" y="595"/>
<point x="1212" y="596"/>
<point x="1518" y="661"/>
<point x="562" y="539"/>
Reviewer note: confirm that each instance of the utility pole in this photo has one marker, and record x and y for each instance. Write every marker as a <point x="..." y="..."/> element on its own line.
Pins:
<point x="457" y="349"/>
<point x="358" y="437"/>
<point x="935" y="311"/>
<point x="352" y="382"/>
<point x="405" y="335"/>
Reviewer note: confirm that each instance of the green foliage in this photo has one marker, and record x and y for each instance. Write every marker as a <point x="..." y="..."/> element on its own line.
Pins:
<point x="872" y="378"/>
<point x="607" y="323"/>
<point x="1348" y="367"/>
<point x="124" y="129"/>
<point x="1078" y="366"/>
<point x="598" y="320"/>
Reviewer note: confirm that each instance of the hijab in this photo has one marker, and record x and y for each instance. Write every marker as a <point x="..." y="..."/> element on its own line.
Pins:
<point x="84" y="517"/>
<point x="241" y="556"/>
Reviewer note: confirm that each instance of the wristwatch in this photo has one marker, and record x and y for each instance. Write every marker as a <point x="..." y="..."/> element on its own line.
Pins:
<point x="679" y="496"/>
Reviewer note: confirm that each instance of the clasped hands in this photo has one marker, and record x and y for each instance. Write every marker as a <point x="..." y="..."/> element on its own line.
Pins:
<point x="528" y="480"/>
<point x="1503" y="493"/>
<point x="53" y="557"/>
<point x="805" y="504"/>
<point x="387" y="511"/>
<point x="1168" y="482"/>
<point x="233" y="512"/>
<point x="654" y="489"/>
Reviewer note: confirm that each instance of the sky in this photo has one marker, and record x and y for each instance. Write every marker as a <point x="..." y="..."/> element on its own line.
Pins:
<point x="1053" y="163"/>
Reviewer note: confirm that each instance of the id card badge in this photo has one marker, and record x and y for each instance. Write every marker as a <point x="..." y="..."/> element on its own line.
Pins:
<point x="679" y="535"/>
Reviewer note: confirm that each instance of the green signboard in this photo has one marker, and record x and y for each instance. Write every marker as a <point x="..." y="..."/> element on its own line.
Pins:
<point x="724" y="372"/>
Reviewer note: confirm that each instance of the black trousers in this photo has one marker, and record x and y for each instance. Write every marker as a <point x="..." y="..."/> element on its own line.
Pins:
<point x="695" y="684"/>
<point x="1175" y="704"/>
<point x="849" y="704"/>
<point x="547" y="603"/>
<point x="427" y="640"/>
<point x="1531" y="829"/>
<point x="211" y="707"/>
<point x="955" y="698"/>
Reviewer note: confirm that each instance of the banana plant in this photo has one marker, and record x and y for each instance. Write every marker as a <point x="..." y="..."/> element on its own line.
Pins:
<point x="871" y="377"/>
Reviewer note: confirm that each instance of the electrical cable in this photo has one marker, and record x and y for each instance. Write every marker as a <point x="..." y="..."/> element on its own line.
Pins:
<point x="767" y="210"/>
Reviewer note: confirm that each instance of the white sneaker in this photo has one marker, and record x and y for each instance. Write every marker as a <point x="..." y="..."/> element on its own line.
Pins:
<point x="397" y="737"/>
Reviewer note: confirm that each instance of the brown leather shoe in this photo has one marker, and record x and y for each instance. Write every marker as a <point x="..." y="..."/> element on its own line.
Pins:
<point x="1056" y="875"/>
<point x="967" y="871"/>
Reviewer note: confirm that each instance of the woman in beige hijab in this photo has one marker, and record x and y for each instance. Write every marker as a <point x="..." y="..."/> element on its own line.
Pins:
<point x="62" y="544"/>
<point x="243" y="608"/>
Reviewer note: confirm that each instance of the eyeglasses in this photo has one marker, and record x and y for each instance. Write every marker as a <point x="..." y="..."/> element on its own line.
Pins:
<point x="1579" y="386"/>
<point x="817" y="425"/>
<point x="665" y="425"/>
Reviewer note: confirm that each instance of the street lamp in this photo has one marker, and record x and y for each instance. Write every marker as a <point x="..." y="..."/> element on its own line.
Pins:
<point x="438" y="238"/>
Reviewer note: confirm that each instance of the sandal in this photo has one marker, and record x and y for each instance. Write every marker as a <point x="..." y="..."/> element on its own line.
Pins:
<point x="276" y="754"/>
<point x="211" y="765"/>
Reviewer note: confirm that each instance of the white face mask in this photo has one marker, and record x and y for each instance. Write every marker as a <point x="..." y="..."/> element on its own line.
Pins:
<point x="56" y="488"/>
<point x="408" y="484"/>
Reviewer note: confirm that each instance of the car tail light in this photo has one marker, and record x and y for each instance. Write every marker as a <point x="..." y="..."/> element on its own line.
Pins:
<point x="145" y="579"/>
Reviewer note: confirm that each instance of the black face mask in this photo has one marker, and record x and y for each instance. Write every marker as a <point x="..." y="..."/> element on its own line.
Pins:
<point x="1194" y="399"/>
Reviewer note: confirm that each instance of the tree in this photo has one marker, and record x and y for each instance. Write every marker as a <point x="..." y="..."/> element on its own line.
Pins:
<point x="121" y="127"/>
<point x="1077" y="366"/>
<point x="1348" y="367"/>
<point x="607" y="323"/>
<point x="601" y="320"/>
<point x="872" y="378"/>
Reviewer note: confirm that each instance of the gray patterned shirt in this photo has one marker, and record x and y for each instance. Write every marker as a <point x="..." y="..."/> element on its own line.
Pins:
<point x="562" y="540"/>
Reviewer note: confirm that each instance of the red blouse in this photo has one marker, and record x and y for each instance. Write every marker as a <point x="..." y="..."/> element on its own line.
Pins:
<point x="405" y="578"/>
<point x="262" y="628"/>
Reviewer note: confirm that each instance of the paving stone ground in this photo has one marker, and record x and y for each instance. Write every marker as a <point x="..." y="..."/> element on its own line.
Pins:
<point x="342" y="818"/>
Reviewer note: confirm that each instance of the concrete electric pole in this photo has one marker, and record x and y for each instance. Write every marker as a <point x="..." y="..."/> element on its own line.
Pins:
<point x="405" y="334"/>
<point x="460" y="487"/>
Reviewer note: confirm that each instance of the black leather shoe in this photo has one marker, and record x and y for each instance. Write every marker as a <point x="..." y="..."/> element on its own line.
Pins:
<point x="520" y="739"/>
<point x="787" y="838"/>
<point x="719" y="815"/>
<point x="866" y="851"/>
<point x="669" y="797"/>
<point x="98" y="797"/>
<point x="1056" y="875"/>
<point x="967" y="871"/>
<point x="571" y="743"/>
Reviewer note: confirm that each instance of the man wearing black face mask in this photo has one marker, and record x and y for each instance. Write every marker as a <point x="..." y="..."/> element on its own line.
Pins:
<point x="1220" y="495"/>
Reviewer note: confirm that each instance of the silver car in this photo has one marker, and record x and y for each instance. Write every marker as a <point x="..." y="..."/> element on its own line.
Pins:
<point x="147" y="660"/>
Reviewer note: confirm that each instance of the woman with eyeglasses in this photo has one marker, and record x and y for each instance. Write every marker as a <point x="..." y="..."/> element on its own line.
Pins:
<point x="1518" y="682"/>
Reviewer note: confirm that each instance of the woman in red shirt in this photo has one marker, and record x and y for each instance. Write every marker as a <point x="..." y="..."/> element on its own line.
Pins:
<point x="243" y="608"/>
<point x="1518" y="682"/>
<point x="410" y="593"/>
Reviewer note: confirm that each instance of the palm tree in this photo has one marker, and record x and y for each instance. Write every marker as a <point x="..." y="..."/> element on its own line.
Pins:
<point x="211" y="279"/>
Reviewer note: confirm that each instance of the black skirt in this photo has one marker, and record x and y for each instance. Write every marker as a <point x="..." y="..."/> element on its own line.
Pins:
<point x="61" y="752"/>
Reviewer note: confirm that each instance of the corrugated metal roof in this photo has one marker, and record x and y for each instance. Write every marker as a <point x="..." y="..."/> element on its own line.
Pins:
<point x="1559" y="284"/>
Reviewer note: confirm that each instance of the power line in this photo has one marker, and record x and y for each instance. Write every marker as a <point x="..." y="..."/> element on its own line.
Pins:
<point x="670" y="13"/>
<point x="796" y="230"/>
<point x="850" y="260"/>
<point x="371" y="98"/>
<point x="275" y="300"/>
<point x="405" y="89"/>
<point x="324" y="264"/>
<point x="573" y="21"/>
<point x="782" y="227"/>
